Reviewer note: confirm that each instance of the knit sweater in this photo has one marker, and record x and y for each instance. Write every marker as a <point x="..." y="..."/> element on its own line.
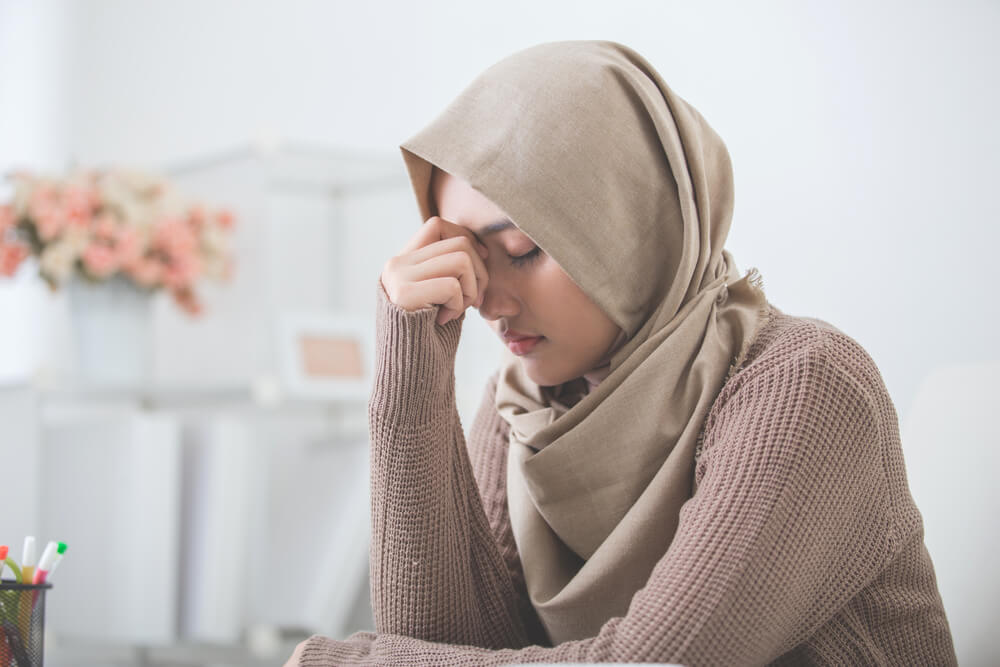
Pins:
<point x="800" y="545"/>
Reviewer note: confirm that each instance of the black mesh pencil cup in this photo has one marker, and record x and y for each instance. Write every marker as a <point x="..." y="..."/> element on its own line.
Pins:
<point x="22" y="624"/>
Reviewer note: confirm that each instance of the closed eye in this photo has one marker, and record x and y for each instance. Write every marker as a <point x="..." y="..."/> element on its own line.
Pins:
<point x="527" y="257"/>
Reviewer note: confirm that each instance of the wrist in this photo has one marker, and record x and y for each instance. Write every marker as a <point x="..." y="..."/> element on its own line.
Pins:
<point x="414" y="362"/>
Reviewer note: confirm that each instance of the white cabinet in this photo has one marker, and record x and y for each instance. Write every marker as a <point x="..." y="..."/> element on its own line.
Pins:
<point x="193" y="515"/>
<point x="199" y="508"/>
<point x="109" y="489"/>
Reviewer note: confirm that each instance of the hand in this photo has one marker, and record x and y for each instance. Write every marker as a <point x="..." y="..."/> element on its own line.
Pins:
<point x="441" y="265"/>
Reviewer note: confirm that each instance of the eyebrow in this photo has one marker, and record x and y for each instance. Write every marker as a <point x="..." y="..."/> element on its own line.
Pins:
<point x="494" y="227"/>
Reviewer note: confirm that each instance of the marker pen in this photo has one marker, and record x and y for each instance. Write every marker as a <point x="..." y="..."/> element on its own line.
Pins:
<point x="46" y="563"/>
<point x="60" y="551"/>
<point x="28" y="561"/>
<point x="27" y="601"/>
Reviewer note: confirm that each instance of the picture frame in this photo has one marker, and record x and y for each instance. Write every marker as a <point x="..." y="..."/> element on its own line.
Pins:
<point x="325" y="355"/>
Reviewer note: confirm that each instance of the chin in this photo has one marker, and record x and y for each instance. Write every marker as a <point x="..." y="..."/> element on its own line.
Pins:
<point x="543" y="377"/>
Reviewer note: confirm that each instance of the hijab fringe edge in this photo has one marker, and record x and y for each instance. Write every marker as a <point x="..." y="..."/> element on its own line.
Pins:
<point x="756" y="281"/>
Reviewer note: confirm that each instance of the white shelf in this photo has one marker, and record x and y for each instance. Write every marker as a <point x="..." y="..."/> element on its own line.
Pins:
<point x="218" y="460"/>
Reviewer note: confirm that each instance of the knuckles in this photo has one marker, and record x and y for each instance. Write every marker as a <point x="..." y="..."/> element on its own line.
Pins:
<point x="459" y="249"/>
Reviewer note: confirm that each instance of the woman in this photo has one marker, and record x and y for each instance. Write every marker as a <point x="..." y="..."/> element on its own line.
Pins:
<point x="665" y="467"/>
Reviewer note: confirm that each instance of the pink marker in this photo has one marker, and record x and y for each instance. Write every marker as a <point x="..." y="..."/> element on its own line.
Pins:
<point x="50" y="558"/>
<point x="45" y="564"/>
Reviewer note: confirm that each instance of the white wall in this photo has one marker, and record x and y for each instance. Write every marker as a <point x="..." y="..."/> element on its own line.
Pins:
<point x="863" y="134"/>
<point x="34" y="63"/>
<point x="33" y="47"/>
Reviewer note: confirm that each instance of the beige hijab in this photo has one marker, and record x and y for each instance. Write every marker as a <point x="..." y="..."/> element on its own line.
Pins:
<point x="627" y="187"/>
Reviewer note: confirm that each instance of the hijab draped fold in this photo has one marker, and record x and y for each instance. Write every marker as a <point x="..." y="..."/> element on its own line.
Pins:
<point x="630" y="191"/>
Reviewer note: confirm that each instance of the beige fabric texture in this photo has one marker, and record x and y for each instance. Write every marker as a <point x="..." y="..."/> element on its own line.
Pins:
<point x="801" y="545"/>
<point x="798" y="542"/>
<point x="630" y="190"/>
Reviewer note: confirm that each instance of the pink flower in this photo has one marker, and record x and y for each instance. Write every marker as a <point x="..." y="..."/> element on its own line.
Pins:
<point x="225" y="219"/>
<point x="44" y="210"/>
<point x="103" y="221"/>
<point x="50" y="223"/>
<point x="104" y="226"/>
<point x="196" y="216"/>
<point x="100" y="260"/>
<point x="42" y="199"/>
<point x="181" y="271"/>
<point x="177" y="242"/>
<point x="186" y="299"/>
<point x="128" y="246"/>
<point x="11" y="256"/>
<point x="147" y="272"/>
<point x="175" y="237"/>
<point x="78" y="205"/>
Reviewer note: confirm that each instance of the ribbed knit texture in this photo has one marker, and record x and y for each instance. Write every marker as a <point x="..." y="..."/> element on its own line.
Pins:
<point x="801" y="544"/>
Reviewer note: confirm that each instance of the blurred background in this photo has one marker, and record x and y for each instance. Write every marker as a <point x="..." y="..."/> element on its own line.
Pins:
<point x="215" y="504"/>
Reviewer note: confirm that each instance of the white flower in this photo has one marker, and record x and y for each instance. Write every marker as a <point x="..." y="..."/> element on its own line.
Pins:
<point x="59" y="258"/>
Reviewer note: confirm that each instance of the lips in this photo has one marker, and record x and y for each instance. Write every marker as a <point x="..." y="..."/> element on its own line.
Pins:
<point x="510" y="336"/>
<point x="520" y="343"/>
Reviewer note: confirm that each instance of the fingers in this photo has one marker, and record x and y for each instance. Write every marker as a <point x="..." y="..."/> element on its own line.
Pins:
<point x="468" y="245"/>
<point x="446" y="291"/>
<point x="456" y="264"/>
<point x="434" y="229"/>
<point x="442" y="264"/>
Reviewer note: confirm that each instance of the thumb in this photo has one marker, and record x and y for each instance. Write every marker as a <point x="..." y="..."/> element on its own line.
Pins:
<point x="445" y="315"/>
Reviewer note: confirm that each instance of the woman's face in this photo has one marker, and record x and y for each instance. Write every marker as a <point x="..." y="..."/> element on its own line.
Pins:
<point x="527" y="293"/>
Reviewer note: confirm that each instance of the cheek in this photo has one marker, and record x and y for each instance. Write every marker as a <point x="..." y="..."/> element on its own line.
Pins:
<point x="572" y="316"/>
<point x="564" y="305"/>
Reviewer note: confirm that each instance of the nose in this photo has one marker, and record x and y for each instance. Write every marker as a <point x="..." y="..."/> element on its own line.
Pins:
<point x="498" y="301"/>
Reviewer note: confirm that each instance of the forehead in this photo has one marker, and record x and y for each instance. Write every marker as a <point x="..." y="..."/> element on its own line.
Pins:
<point x="454" y="196"/>
<point x="460" y="203"/>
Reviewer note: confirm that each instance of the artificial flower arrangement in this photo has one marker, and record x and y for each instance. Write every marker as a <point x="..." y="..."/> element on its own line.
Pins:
<point x="97" y="224"/>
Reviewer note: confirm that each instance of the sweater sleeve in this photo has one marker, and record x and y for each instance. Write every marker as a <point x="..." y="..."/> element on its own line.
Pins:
<point x="790" y="520"/>
<point x="437" y="573"/>
<point x="488" y="447"/>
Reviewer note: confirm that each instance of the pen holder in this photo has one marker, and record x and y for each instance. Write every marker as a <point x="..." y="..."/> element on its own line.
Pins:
<point x="22" y="624"/>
